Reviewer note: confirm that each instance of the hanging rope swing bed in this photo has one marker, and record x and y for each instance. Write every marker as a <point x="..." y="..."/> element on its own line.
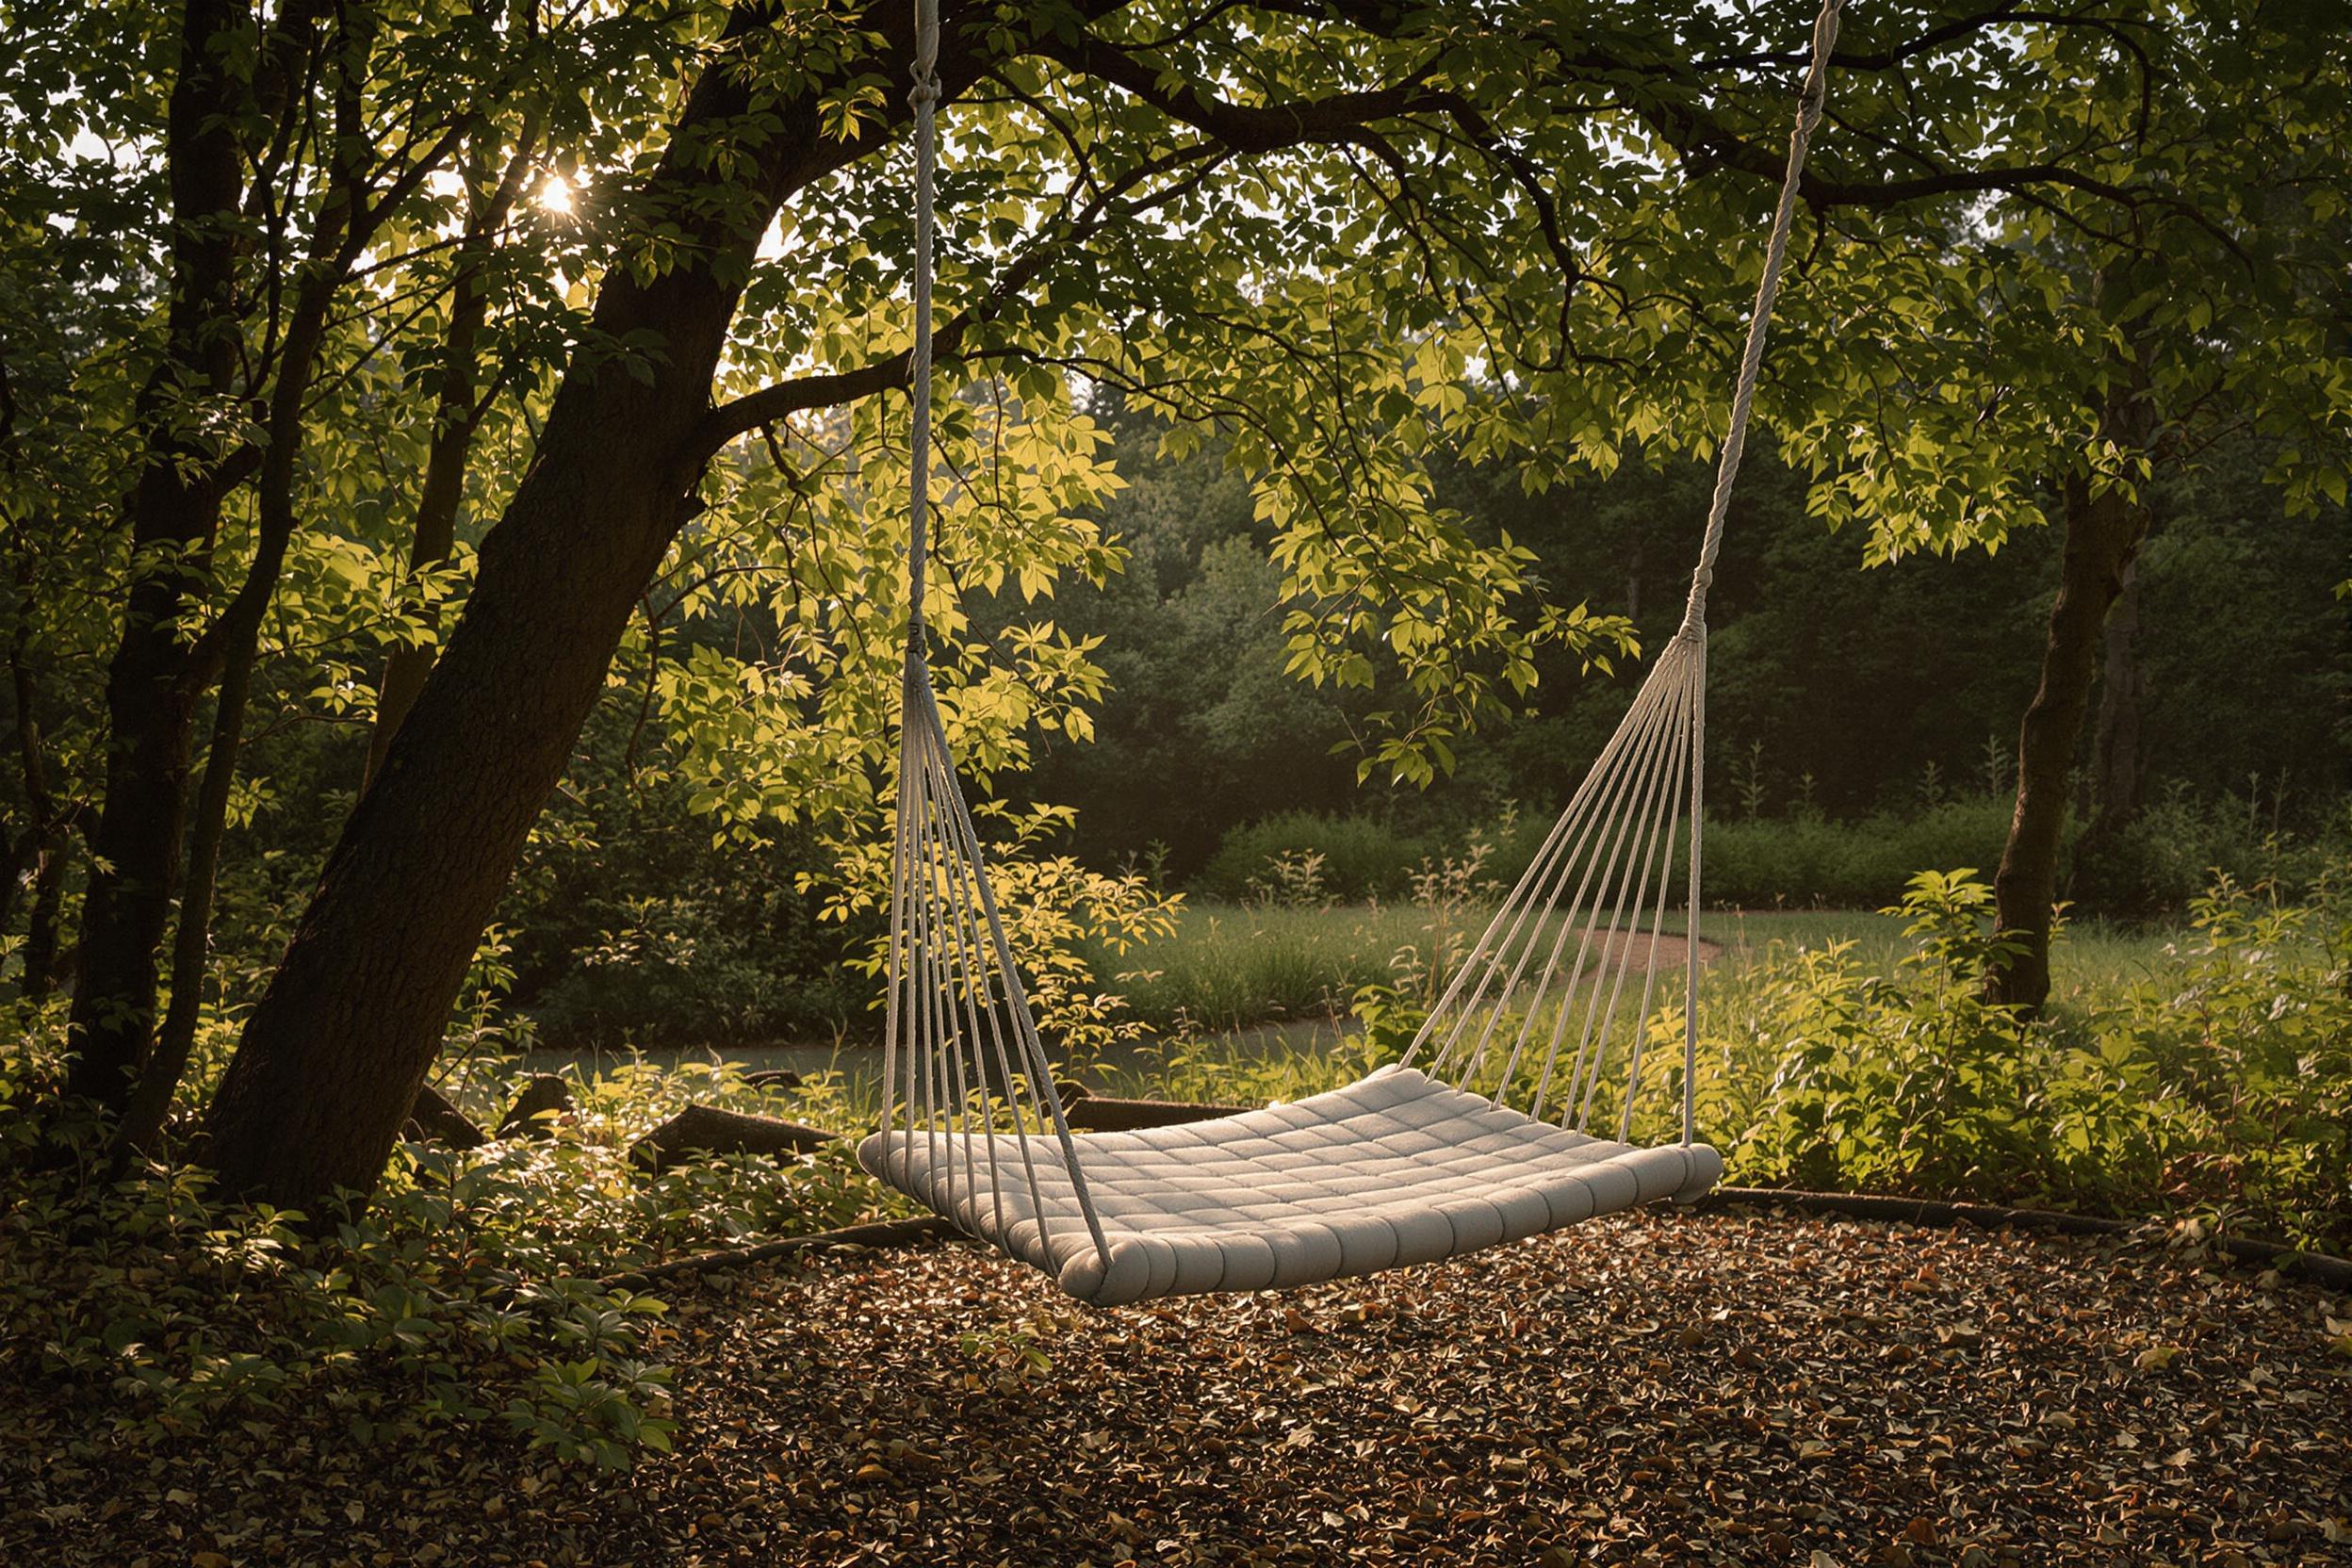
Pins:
<point x="1480" y="1136"/>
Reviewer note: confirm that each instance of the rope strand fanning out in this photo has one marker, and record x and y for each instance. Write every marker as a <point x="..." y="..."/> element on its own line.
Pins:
<point x="1644" y="791"/>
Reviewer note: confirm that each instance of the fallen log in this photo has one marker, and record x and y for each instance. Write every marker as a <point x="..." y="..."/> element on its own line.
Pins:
<point x="433" y="1117"/>
<point x="529" y="1115"/>
<point x="708" y="1130"/>
<point x="1095" y="1113"/>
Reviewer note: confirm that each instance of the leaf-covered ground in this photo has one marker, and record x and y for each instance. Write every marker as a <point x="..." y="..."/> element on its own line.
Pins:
<point x="1645" y="1389"/>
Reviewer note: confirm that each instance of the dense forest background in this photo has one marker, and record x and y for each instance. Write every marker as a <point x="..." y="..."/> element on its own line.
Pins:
<point x="1839" y="692"/>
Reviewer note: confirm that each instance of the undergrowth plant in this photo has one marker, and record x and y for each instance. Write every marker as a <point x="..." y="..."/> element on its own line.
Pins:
<point x="1454" y="895"/>
<point x="467" y="1294"/>
<point x="1904" y="1083"/>
<point x="2218" y="1085"/>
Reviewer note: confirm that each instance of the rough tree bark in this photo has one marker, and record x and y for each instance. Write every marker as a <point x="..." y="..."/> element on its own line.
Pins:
<point x="334" y="1055"/>
<point x="2104" y="532"/>
<point x="174" y="507"/>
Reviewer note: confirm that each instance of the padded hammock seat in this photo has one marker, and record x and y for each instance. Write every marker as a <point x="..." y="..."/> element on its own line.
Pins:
<point x="1396" y="1168"/>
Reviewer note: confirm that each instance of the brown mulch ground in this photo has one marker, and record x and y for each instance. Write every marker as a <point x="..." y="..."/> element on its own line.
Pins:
<point x="1651" y="1388"/>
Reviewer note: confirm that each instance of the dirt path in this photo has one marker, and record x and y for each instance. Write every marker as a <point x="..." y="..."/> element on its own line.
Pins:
<point x="1672" y="951"/>
<point x="1639" y="1389"/>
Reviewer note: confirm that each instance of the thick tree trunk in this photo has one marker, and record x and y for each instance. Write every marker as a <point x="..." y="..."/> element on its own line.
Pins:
<point x="174" y="507"/>
<point x="333" y="1057"/>
<point x="2102" y="532"/>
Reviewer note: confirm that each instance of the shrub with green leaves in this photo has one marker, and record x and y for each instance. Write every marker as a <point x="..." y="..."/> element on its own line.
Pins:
<point x="1360" y="857"/>
<point x="466" y="1295"/>
<point x="2219" y="1084"/>
<point x="1808" y="861"/>
<point x="1909" y="1083"/>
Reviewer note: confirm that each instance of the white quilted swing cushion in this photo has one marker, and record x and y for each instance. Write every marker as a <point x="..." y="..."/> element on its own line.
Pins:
<point x="1397" y="1168"/>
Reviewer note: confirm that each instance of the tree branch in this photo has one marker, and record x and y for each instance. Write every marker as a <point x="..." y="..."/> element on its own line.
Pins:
<point x="1241" y="127"/>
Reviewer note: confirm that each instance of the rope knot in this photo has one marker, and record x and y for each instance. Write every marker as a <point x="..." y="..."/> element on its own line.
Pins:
<point x="925" y="94"/>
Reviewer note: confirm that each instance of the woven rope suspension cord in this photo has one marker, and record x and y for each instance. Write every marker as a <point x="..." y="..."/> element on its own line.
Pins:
<point x="1481" y="1134"/>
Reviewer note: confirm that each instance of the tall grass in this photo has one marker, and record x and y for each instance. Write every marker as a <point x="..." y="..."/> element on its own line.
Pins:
<point x="1230" y="966"/>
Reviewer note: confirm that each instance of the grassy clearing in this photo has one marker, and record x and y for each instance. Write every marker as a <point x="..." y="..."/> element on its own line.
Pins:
<point x="1229" y="966"/>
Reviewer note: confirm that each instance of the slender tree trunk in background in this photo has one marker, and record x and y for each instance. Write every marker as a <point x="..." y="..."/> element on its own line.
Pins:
<point x="333" y="1057"/>
<point x="45" y="950"/>
<point x="436" y="531"/>
<point x="230" y="645"/>
<point x="175" y="507"/>
<point x="458" y="411"/>
<point x="2104" y="532"/>
<point x="191" y="942"/>
<point x="23" y="849"/>
<point x="2115" y="737"/>
<point x="19" y="853"/>
<point x="38" y="858"/>
<point x="237" y="636"/>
